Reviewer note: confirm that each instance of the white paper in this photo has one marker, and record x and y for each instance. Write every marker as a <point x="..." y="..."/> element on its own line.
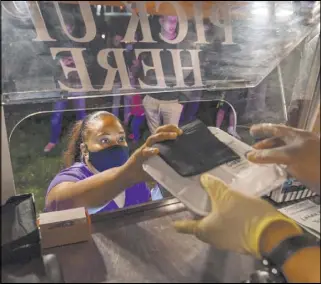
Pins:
<point x="241" y="175"/>
<point x="306" y="213"/>
<point x="312" y="232"/>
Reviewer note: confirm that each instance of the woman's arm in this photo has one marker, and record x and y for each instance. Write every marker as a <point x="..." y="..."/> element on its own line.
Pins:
<point x="100" y="188"/>
<point x="303" y="266"/>
<point x="94" y="191"/>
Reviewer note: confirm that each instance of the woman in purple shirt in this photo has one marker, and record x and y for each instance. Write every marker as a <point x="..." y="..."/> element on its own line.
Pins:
<point x="99" y="174"/>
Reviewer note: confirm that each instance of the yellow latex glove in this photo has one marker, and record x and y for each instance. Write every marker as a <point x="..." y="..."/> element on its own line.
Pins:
<point x="299" y="150"/>
<point x="236" y="222"/>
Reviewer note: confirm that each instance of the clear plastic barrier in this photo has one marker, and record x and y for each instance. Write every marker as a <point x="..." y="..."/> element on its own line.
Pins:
<point x="230" y="64"/>
<point x="51" y="47"/>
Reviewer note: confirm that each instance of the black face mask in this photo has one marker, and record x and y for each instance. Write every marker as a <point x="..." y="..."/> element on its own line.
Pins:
<point x="109" y="158"/>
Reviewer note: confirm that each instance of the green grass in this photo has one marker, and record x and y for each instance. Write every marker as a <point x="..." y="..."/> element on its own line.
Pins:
<point x="33" y="169"/>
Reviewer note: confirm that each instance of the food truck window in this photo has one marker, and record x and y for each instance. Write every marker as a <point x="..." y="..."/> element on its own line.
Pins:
<point x="229" y="65"/>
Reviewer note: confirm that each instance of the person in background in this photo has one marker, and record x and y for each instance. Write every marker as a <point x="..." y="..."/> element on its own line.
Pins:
<point x="116" y="43"/>
<point x="163" y="107"/>
<point x="138" y="119"/>
<point x="99" y="174"/>
<point x="225" y="109"/>
<point x="137" y="114"/>
<point x="190" y="108"/>
<point x="256" y="109"/>
<point x="250" y="225"/>
<point x="214" y="38"/>
<point x="60" y="106"/>
<point x="131" y="62"/>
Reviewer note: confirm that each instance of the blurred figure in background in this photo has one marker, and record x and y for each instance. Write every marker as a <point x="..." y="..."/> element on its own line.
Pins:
<point x="225" y="108"/>
<point x="163" y="108"/>
<point x="256" y="103"/>
<point x="191" y="107"/>
<point x="133" y="65"/>
<point x="116" y="43"/>
<point x="60" y="106"/>
<point x="137" y="113"/>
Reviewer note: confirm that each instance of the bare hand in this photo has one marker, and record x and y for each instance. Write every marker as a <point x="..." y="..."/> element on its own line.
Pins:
<point x="299" y="150"/>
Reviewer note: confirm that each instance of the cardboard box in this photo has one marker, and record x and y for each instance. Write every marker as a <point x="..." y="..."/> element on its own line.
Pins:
<point x="64" y="227"/>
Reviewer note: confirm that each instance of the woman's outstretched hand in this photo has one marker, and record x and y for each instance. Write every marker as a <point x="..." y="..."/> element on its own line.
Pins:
<point x="135" y="162"/>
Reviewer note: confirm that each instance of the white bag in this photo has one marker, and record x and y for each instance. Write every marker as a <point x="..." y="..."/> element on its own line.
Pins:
<point x="241" y="175"/>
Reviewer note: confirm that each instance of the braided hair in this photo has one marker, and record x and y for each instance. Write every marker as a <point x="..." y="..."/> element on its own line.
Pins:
<point x="78" y="135"/>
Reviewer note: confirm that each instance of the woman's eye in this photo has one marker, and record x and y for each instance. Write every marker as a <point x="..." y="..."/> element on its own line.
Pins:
<point x="121" y="139"/>
<point x="104" y="141"/>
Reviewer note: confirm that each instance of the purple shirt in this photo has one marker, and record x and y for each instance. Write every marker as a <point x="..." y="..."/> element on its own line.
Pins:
<point x="139" y="193"/>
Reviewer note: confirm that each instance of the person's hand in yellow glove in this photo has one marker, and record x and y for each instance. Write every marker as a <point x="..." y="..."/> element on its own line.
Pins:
<point x="299" y="150"/>
<point x="237" y="222"/>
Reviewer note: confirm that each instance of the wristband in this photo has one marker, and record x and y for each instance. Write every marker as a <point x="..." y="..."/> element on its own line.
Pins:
<point x="285" y="249"/>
